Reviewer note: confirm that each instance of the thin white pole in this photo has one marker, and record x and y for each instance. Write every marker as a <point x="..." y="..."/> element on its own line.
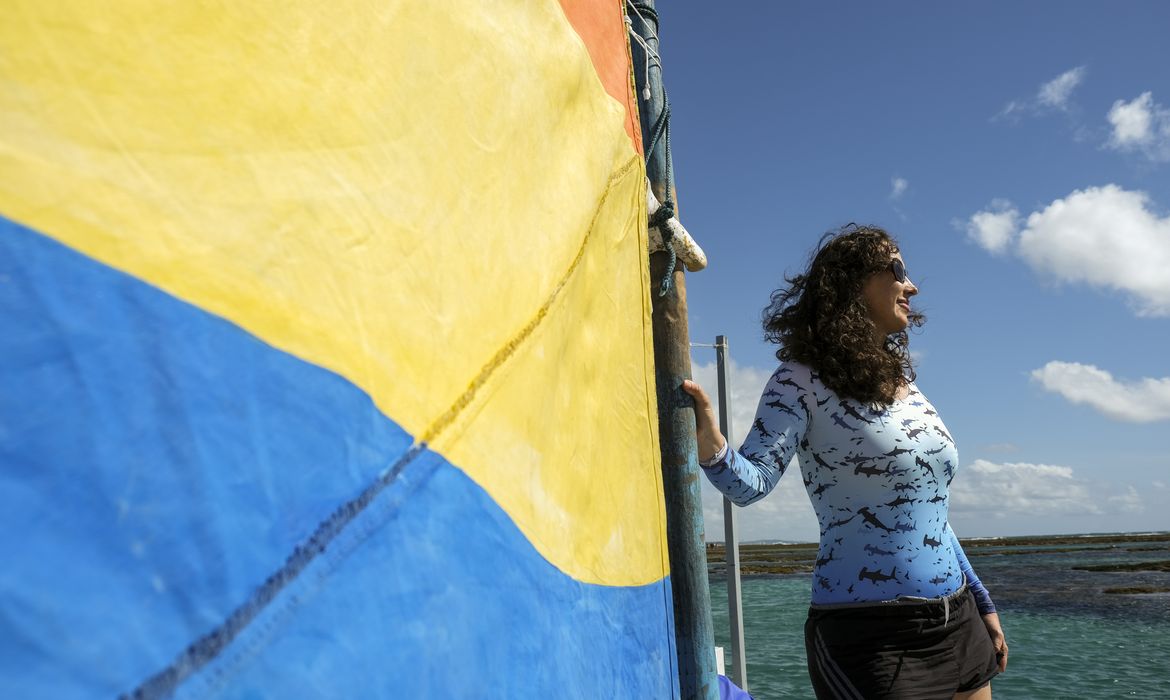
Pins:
<point x="730" y="538"/>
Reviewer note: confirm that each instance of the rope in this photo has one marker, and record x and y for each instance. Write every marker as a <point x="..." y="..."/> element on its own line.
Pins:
<point x="660" y="130"/>
<point x="667" y="277"/>
<point x="658" y="220"/>
<point x="651" y="56"/>
<point x="660" y="126"/>
<point x="665" y="213"/>
<point x="666" y="210"/>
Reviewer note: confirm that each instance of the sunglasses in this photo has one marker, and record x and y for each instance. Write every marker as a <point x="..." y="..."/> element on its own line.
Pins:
<point x="899" y="269"/>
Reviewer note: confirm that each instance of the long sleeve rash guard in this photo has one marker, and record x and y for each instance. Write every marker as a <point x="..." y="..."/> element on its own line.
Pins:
<point x="878" y="480"/>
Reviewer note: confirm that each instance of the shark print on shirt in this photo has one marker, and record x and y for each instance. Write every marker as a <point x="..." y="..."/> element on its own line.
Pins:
<point x="877" y="477"/>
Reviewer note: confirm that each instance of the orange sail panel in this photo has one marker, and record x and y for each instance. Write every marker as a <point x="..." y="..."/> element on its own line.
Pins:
<point x="602" y="27"/>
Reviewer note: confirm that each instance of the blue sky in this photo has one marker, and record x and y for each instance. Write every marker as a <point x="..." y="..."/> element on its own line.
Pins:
<point x="1020" y="152"/>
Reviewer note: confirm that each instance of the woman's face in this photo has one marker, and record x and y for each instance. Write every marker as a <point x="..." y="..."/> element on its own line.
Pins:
<point x="887" y="299"/>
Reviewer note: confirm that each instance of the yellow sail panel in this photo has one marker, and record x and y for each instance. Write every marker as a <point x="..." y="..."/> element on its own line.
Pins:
<point x="585" y="365"/>
<point x="460" y="169"/>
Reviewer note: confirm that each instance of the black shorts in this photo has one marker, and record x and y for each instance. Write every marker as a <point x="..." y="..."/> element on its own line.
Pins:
<point x="929" y="649"/>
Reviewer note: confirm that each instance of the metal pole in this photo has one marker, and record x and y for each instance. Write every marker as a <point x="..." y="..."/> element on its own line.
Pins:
<point x="730" y="537"/>
<point x="694" y="637"/>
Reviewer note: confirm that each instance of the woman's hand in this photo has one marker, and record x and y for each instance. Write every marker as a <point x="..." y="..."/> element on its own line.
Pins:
<point x="991" y="621"/>
<point x="707" y="434"/>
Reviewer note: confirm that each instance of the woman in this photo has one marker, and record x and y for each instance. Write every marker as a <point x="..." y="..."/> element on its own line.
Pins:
<point x="897" y="611"/>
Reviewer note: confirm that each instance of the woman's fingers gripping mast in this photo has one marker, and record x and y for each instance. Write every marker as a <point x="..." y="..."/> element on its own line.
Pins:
<point x="707" y="434"/>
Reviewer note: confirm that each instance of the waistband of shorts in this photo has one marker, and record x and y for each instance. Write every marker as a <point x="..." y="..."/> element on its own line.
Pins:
<point x="899" y="602"/>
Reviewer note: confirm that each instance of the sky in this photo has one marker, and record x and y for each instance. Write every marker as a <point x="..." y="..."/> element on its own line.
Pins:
<point x="1020" y="154"/>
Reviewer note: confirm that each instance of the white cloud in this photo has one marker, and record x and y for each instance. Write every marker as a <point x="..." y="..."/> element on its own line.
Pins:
<point x="898" y="186"/>
<point x="1128" y="501"/>
<point x="1143" y="401"/>
<point x="1011" y="111"/>
<point x="1001" y="490"/>
<point x="995" y="227"/>
<point x="1052" y="95"/>
<point x="1131" y="121"/>
<point x="1105" y="237"/>
<point x="1055" y="93"/>
<point x="1140" y="125"/>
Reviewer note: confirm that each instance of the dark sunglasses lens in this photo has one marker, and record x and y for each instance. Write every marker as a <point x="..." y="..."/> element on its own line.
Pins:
<point x="899" y="270"/>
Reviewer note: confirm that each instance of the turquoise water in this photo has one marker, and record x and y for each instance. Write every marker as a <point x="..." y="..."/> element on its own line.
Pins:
<point x="1067" y="638"/>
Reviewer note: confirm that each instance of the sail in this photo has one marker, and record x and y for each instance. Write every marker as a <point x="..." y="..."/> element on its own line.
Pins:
<point x="326" y="365"/>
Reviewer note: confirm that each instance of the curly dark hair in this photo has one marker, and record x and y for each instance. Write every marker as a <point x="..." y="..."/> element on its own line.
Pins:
<point x="821" y="319"/>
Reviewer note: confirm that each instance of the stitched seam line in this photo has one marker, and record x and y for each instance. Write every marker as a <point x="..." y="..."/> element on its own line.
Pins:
<point x="451" y="414"/>
<point x="209" y="646"/>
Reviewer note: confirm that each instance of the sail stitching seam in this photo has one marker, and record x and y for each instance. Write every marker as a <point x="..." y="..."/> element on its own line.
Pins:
<point x="205" y="649"/>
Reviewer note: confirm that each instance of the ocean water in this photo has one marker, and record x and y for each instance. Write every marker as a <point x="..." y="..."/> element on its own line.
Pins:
<point x="1067" y="637"/>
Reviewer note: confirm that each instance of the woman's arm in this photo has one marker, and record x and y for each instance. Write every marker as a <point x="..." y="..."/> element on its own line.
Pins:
<point x="751" y="473"/>
<point x="995" y="631"/>
<point x="982" y="601"/>
<point x="982" y="596"/>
